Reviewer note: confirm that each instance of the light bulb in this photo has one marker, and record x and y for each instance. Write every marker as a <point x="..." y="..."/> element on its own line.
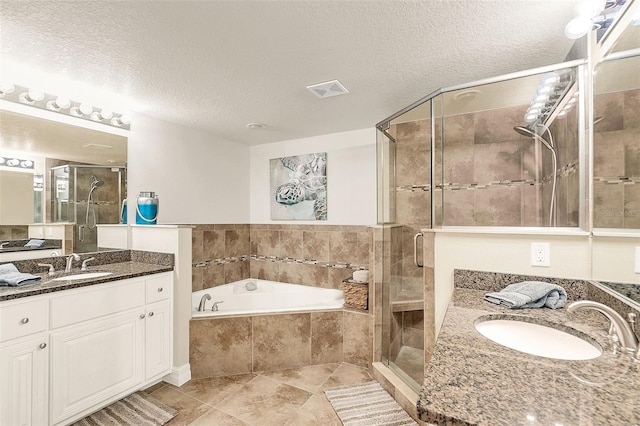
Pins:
<point x="534" y="111"/>
<point x="86" y="109"/>
<point x="545" y="90"/>
<point x="106" y="114"/>
<point x="63" y="102"/>
<point x="541" y="98"/>
<point x="125" y="119"/>
<point x="7" y="88"/>
<point x="578" y="27"/>
<point x="2" y="160"/>
<point x="530" y="118"/>
<point x="538" y="105"/>
<point x="26" y="163"/>
<point x="35" y="95"/>
<point x="550" y="79"/>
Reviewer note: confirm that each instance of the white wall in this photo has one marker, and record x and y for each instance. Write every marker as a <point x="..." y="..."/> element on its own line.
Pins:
<point x="570" y="257"/>
<point x="351" y="176"/>
<point x="198" y="178"/>
<point x="614" y="259"/>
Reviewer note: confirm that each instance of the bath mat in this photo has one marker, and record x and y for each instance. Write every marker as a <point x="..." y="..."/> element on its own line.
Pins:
<point x="367" y="404"/>
<point x="137" y="409"/>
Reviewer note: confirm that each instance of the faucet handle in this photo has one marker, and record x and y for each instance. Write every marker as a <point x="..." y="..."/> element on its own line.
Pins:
<point x="84" y="263"/>
<point x="52" y="270"/>
<point x="214" y="308"/>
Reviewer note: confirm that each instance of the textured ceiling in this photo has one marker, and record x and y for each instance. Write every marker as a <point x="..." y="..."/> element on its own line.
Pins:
<point x="219" y="65"/>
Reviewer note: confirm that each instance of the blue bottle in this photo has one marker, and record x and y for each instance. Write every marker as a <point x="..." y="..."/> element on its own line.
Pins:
<point x="147" y="208"/>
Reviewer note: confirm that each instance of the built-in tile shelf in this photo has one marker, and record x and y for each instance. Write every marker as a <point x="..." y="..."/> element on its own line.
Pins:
<point x="407" y="301"/>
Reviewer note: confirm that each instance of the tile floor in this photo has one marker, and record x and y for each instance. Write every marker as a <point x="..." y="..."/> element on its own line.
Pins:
<point x="284" y="398"/>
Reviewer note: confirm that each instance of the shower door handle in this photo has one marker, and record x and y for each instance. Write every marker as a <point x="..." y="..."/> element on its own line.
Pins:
<point x="415" y="249"/>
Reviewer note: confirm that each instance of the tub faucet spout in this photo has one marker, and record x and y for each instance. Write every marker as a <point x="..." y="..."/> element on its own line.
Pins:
<point x="215" y="308"/>
<point x="203" y="301"/>
<point x="619" y="327"/>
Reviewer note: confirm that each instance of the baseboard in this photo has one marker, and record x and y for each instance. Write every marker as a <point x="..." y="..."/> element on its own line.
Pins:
<point x="179" y="375"/>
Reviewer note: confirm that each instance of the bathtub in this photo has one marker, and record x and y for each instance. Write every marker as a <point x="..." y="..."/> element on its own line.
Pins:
<point x="254" y="296"/>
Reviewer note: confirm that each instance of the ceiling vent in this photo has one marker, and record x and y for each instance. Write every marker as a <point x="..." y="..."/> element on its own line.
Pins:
<point x="328" y="89"/>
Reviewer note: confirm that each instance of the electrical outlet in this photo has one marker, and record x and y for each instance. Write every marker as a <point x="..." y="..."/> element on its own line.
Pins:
<point x="540" y="254"/>
<point x="637" y="269"/>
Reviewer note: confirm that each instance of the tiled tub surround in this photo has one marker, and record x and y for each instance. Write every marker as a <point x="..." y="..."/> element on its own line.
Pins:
<point x="316" y="255"/>
<point x="245" y="344"/>
<point x="474" y="381"/>
<point x="122" y="263"/>
<point x="616" y="165"/>
<point x="13" y="232"/>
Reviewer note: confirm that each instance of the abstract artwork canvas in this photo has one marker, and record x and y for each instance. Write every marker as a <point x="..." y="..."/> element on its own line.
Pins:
<point x="299" y="187"/>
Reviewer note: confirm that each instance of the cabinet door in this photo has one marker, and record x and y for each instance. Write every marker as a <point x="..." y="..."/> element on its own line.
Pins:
<point x="158" y="339"/>
<point x="93" y="361"/>
<point x="24" y="383"/>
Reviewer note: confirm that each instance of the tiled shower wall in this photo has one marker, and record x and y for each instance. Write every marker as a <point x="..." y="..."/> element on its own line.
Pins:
<point x="488" y="172"/>
<point x="616" y="162"/>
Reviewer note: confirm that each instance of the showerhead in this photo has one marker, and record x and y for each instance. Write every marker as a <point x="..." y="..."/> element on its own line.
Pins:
<point x="96" y="183"/>
<point x="525" y="131"/>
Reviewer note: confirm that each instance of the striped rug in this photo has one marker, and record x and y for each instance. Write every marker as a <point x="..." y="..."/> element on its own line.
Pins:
<point x="367" y="405"/>
<point x="137" y="409"/>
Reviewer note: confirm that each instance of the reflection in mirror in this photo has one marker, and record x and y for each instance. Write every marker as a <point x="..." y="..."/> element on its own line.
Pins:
<point x="616" y="127"/>
<point x="78" y="177"/>
<point x="627" y="293"/>
<point x="629" y="39"/>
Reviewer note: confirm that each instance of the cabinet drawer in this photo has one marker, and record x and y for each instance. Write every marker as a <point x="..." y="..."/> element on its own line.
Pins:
<point x="22" y="319"/>
<point x="96" y="301"/>
<point x="159" y="287"/>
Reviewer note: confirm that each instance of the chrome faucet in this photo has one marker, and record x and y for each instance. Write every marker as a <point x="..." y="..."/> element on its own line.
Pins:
<point x="214" y="308"/>
<point x="52" y="270"/>
<point x="4" y="244"/>
<point x="204" y="299"/>
<point x="620" y="329"/>
<point x="84" y="263"/>
<point x="70" y="260"/>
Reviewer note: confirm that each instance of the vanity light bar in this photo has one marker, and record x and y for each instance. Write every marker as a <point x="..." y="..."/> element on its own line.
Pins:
<point x="16" y="163"/>
<point x="37" y="98"/>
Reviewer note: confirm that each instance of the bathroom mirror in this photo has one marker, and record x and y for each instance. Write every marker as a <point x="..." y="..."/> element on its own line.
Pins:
<point x="616" y="135"/>
<point x="36" y="194"/>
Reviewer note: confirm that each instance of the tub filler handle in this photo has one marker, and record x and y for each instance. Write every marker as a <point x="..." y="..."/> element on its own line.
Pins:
<point x="214" y="308"/>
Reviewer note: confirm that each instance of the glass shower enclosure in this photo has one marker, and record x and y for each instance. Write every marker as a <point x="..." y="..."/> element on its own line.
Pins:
<point x="87" y="195"/>
<point x="503" y="152"/>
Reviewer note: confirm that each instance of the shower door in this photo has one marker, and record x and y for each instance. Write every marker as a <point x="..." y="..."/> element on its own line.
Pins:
<point x="88" y="195"/>
<point x="404" y="209"/>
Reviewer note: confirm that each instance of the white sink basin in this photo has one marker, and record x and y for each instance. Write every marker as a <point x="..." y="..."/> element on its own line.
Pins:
<point x="536" y="339"/>
<point x="83" y="276"/>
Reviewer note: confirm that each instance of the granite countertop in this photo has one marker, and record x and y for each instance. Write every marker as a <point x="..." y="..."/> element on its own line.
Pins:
<point x="19" y="245"/>
<point x="474" y="381"/>
<point x="122" y="264"/>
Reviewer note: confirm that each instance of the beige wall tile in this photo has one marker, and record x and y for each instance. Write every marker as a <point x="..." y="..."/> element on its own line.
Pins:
<point x="281" y="341"/>
<point x="342" y="246"/>
<point x="264" y="270"/>
<point x="212" y="276"/>
<point x="326" y="337"/>
<point x="291" y="242"/>
<point x="236" y="271"/>
<point x="358" y="339"/>
<point x="196" y="279"/>
<point x="236" y="243"/>
<point x="212" y="244"/>
<point x="220" y="347"/>
<point x="316" y="245"/>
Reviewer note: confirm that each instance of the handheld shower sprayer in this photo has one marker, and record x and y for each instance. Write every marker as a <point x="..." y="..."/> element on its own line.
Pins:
<point x="526" y="131"/>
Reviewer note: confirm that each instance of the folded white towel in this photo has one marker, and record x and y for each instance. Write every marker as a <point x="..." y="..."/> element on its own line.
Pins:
<point x="529" y="294"/>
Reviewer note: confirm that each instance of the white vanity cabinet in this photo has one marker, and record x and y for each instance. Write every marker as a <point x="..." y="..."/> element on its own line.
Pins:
<point x="102" y="342"/>
<point x="24" y="363"/>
